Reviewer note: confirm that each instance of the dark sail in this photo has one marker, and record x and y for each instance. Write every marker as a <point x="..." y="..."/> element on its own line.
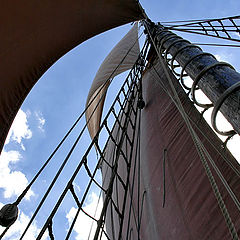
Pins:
<point x="173" y="190"/>
<point x="165" y="173"/>
<point x="34" y="35"/>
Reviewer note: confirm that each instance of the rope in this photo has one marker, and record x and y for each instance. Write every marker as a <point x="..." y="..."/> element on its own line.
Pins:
<point x="136" y="156"/>
<point x="217" y="45"/>
<point x="191" y="22"/>
<point x="120" y="116"/>
<point x="50" y="231"/>
<point x="199" y="33"/>
<point x="139" y="177"/>
<point x="88" y="187"/>
<point x="101" y="221"/>
<point x="71" y="150"/>
<point x="111" y="182"/>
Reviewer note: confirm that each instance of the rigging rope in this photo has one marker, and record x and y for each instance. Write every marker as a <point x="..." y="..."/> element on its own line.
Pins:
<point x="71" y="150"/>
<point x="115" y="176"/>
<point x="83" y="162"/>
<point x="217" y="45"/>
<point x="219" y="30"/>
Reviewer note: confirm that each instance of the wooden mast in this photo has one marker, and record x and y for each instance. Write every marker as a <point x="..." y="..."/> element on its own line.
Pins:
<point x="212" y="77"/>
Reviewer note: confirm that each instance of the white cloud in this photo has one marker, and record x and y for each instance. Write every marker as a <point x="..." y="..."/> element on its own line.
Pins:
<point x="77" y="187"/>
<point x="222" y="124"/>
<point x="233" y="146"/>
<point x="13" y="182"/>
<point x="224" y="57"/>
<point x="19" y="129"/>
<point x="41" y="120"/>
<point x="83" y="224"/>
<point x="16" y="230"/>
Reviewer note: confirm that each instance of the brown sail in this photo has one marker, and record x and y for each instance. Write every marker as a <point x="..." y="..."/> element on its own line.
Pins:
<point x="120" y="59"/>
<point x="36" y="34"/>
<point x="173" y="197"/>
<point x="165" y="173"/>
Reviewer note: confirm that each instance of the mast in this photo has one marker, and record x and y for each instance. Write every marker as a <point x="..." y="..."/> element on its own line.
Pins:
<point x="218" y="80"/>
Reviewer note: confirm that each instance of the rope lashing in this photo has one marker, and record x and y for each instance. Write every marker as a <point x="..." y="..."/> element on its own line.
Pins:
<point x="218" y="105"/>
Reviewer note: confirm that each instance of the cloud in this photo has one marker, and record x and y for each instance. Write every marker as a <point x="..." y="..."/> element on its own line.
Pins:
<point x="19" y="129"/>
<point x="41" y="120"/>
<point x="233" y="146"/>
<point x="13" y="182"/>
<point x="222" y="124"/>
<point x="224" y="57"/>
<point x="77" y="187"/>
<point x="16" y="230"/>
<point x="83" y="225"/>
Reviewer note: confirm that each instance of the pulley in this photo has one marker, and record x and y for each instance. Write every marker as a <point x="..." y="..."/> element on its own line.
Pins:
<point x="8" y="215"/>
<point x="140" y="103"/>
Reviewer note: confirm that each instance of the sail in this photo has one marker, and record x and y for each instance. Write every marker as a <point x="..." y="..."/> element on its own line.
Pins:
<point x="36" y="34"/>
<point x="165" y="173"/>
<point x="121" y="58"/>
<point x="170" y="195"/>
<point x="188" y="208"/>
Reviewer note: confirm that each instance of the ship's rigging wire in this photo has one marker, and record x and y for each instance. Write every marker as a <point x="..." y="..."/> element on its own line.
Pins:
<point x="139" y="208"/>
<point x="190" y="21"/>
<point x="216" y="44"/>
<point x="71" y="180"/>
<point x="115" y="166"/>
<point x="132" y="183"/>
<point x="21" y="196"/>
<point x="203" y="154"/>
<point x="201" y="150"/>
<point x="217" y="28"/>
<point x="104" y="178"/>
<point x="79" y="166"/>
<point x="50" y="231"/>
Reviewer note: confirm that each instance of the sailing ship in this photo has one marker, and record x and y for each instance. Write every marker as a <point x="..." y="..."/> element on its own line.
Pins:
<point x="165" y="173"/>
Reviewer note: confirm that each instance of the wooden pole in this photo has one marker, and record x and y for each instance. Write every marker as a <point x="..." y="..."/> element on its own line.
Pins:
<point x="212" y="77"/>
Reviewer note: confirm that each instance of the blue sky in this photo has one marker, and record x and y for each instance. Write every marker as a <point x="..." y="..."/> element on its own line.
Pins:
<point x="59" y="97"/>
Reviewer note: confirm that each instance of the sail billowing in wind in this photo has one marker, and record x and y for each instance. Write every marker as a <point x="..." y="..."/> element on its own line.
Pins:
<point x="120" y="59"/>
<point x="34" y="35"/>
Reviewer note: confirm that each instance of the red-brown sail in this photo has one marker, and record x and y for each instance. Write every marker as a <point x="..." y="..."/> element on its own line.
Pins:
<point x="174" y="193"/>
<point x="34" y="34"/>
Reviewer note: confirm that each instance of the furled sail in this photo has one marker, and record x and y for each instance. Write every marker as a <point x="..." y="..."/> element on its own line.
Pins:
<point x="121" y="58"/>
<point x="36" y="34"/>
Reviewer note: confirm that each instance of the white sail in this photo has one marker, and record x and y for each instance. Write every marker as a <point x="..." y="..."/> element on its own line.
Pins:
<point x="121" y="58"/>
